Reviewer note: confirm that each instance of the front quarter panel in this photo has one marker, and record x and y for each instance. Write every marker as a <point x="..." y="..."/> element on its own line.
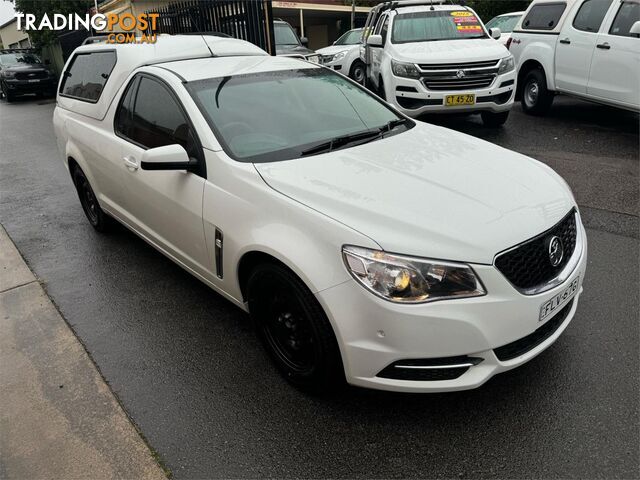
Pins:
<point x="538" y="47"/>
<point x="254" y="217"/>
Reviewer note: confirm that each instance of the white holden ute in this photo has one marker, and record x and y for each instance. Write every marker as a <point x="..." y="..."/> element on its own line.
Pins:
<point x="589" y="49"/>
<point x="432" y="57"/>
<point x="368" y="247"/>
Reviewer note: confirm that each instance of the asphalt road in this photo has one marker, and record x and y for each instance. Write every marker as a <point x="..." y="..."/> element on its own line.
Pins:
<point x="186" y="367"/>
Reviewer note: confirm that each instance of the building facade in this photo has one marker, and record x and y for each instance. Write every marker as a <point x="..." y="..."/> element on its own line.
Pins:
<point x="11" y="37"/>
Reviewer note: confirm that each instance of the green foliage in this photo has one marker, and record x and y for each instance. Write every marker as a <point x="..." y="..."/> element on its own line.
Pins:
<point x="487" y="9"/>
<point x="40" y="7"/>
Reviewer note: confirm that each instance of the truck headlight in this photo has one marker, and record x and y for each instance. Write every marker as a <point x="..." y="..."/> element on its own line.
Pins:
<point x="407" y="70"/>
<point x="403" y="279"/>
<point x="506" y="65"/>
<point x="8" y="74"/>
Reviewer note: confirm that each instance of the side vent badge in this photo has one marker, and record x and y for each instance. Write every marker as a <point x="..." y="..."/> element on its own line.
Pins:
<point x="218" y="252"/>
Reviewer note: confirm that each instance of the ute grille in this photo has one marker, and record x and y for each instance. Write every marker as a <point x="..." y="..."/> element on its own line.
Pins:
<point x="528" y="266"/>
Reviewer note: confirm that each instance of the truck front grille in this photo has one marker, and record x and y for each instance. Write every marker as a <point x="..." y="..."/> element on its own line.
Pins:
<point x="459" y="76"/>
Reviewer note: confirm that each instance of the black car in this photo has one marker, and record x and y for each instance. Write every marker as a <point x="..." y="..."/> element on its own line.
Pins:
<point x="288" y="43"/>
<point x="22" y="72"/>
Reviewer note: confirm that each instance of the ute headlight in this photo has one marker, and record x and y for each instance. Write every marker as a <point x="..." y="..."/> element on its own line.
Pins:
<point x="338" y="56"/>
<point x="506" y="65"/>
<point x="407" y="70"/>
<point x="403" y="279"/>
<point x="8" y="74"/>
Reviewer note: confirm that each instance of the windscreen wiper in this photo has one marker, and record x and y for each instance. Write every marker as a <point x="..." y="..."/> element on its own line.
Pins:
<point x="387" y="127"/>
<point x="342" y="141"/>
<point x="363" y="137"/>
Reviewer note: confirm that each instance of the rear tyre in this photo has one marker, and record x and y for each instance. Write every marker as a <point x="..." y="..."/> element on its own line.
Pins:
<point x="294" y="329"/>
<point x="358" y="72"/>
<point x="96" y="216"/>
<point x="536" y="98"/>
<point x="494" y="120"/>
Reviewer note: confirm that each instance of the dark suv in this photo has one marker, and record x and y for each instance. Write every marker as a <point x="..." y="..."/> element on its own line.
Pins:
<point x="22" y="72"/>
<point x="288" y="44"/>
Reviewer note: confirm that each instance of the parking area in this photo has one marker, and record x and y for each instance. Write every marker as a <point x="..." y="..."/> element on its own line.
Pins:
<point x="186" y="366"/>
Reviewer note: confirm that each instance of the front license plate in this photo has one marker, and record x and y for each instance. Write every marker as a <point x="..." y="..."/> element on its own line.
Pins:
<point x="454" y="100"/>
<point x="33" y="81"/>
<point x="556" y="303"/>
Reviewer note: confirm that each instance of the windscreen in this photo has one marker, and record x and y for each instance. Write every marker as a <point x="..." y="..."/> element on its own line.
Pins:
<point x="436" y="25"/>
<point x="285" y="35"/>
<point x="279" y="115"/>
<point x="506" y="24"/>
<point x="7" y="59"/>
<point x="350" y="38"/>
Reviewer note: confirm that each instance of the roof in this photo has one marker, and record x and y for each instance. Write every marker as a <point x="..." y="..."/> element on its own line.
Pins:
<point x="168" y="48"/>
<point x="8" y="23"/>
<point x="510" y="14"/>
<point x="202" y="68"/>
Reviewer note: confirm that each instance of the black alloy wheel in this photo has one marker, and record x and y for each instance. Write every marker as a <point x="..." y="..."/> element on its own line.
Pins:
<point x="294" y="329"/>
<point x="10" y="97"/>
<point x="96" y="216"/>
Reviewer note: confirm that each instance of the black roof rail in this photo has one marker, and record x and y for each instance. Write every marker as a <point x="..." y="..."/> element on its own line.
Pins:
<point x="213" y="34"/>
<point x="95" y="39"/>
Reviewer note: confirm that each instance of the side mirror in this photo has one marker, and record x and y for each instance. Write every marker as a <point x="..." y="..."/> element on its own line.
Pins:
<point x="170" y="157"/>
<point x="304" y="41"/>
<point x="495" y="33"/>
<point x="374" y="40"/>
<point x="635" y="28"/>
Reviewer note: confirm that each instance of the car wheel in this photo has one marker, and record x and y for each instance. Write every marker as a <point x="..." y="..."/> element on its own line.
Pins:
<point x="381" y="93"/>
<point x="96" y="216"/>
<point x="7" y="94"/>
<point x="491" y="119"/>
<point x="294" y="329"/>
<point x="358" y="72"/>
<point x="536" y="98"/>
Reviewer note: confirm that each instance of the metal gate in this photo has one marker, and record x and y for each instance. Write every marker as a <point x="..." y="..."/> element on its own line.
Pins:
<point x="250" y="20"/>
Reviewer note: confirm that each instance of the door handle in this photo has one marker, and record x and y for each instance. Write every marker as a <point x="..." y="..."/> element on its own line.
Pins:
<point x="566" y="41"/>
<point x="604" y="46"/>
<point x="130" y="162"/>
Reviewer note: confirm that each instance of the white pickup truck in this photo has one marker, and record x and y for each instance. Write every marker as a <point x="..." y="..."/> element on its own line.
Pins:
<point x="436" y="57"/>
<point x="586" y="48"/>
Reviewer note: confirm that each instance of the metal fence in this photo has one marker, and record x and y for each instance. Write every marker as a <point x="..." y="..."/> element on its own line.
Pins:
<point x="250" y="20"/>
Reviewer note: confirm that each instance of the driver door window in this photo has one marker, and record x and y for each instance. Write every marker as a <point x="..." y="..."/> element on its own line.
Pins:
<point x="157" y="120"/>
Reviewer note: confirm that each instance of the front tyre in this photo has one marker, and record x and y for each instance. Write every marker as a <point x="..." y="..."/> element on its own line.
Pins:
<point x="10" y="97"/>
<point x="294" y="329"/>
<point x="494" y="120"/>
<point x="96" y="216"/>
<point x="381" y="92"/>
<point x="536" y="98"/>
<point x="358" y="72"/>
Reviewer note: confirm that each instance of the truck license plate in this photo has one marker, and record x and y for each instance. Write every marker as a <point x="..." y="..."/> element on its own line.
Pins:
<point x="454" y="100"/>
